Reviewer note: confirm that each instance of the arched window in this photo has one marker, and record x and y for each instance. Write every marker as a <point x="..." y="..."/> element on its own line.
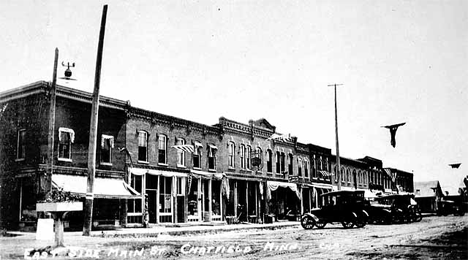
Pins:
<point x="248" y="157"/>
<point x="269" y="161"/>
<point x="242" y="156"/>
<point x="162" y="149"/>
<point x="290" y="165"/>
<point x="180" y="152"/>
<point x="231" y="158"/>
<point x="299" y="167"/>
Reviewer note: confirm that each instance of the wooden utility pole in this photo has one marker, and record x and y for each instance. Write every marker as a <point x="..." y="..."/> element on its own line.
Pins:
<point x="50" y="156"/>
<point x="338" y="168"/>
<point x="88" y="209"/>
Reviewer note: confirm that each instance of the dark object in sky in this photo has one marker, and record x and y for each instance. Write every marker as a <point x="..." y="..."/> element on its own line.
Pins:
<point x="455" y="165"/>
<point x="393" y="129"/>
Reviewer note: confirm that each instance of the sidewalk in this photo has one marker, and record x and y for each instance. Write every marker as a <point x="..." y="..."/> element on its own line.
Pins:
<point x="181" y="230"/>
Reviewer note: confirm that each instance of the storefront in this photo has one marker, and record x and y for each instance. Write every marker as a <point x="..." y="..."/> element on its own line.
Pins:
<point x="243" y="203"/>
<point x="164" y="192"/>
<point x="283" y="199"/>
<point x="204" y="196"/>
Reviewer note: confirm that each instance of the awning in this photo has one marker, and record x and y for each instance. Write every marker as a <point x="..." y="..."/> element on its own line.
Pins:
<point x="325" y="173"/>
<point x="142" y="171"/>
<point x="184" y="147"/>
<point x="208" y="175"/>
<point x="320" y="186"/>
<point x="103" y="187"/>
<point x="274" y="185"/>
<point x="213" y="146"/>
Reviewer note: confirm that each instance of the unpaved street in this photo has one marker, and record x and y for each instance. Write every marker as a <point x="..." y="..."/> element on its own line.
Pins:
<point x="432" y="238"/>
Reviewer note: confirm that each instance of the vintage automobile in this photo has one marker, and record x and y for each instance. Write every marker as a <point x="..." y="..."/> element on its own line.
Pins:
<point x="345" y="207"/>
<point x="447" y="207"/>
<point x="403" y="208"/>
<point x="379" y="213"/>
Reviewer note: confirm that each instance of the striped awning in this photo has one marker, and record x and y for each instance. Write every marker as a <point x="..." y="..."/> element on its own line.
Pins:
<point x="184" y="147"/>
<point x="325" y="173"/>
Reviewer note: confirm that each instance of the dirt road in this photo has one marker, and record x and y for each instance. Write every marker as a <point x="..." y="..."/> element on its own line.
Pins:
<point x="432" y="238"/>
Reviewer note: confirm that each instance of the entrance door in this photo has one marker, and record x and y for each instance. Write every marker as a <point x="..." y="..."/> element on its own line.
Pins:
<point x="152" y="205"/>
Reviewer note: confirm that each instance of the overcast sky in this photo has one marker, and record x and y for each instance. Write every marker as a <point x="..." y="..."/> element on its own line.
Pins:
<point x="398" y="61"/>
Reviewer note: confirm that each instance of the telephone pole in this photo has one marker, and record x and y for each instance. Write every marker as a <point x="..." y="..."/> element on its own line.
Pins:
<point x="338" y="168"/>
<point x="88" y="210"/>
<point x="50" y="156"/>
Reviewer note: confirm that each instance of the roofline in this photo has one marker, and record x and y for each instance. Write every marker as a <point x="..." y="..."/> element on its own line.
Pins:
<point x="62" y="91"/>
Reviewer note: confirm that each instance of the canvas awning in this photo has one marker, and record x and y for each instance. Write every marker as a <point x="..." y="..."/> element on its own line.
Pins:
<point x="274" y="185"/>
<point x="142" y="171"/>
<point x="325" y="173"/>
<point x="208" y="175"/>
<point x="104" y="188"/>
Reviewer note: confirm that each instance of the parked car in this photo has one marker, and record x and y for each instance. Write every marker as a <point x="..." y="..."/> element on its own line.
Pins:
<point x="446" y="207"/>
<point x="345" y="207"/>
<point x="403" y="208"/>
<point x="379" y="213"/>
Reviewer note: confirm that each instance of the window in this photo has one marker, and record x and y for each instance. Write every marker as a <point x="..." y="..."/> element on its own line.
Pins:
<point x="135" y="205"/>
<point x="290" y="166"/>
<point x="248" y="157"/>
<point x="21" y="145"/>
<point x="165" y="195"/>
<point x="282" y="161"/>
<point x="197" y="154"/>
<point x="269" y="161"/>
<point x="212" y="157"/>
<point x="278" y="163"/>
<point x="162" y="149"/>
<point x="66" y="138"/>
<point x="180" y="152"/>
<point x="142" y="146"/>
<point x="306" y="168"/>
<point x="107" y="143"/>
<point x="242" y="156"/>
<point x="231" y="147"/>
<point x="299" y="167"/>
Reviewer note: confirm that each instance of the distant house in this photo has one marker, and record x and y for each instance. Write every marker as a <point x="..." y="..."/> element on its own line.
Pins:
<point x="427" y="194"/>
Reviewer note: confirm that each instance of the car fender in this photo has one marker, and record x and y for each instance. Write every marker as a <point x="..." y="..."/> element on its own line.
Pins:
<point x="365" y="213"/>
<point x="387" y="211"/>
<point x="310" y="215"/>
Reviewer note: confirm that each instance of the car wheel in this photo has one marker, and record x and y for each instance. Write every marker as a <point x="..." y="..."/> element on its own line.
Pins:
<point x="307" y="222"/>
<point x="347" y="223"/>
<point x="417" y="216"/>
<point x="320" y="224"/>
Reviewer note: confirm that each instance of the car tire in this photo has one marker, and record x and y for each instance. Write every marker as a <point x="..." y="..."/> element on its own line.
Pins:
<point x="307" y="222"/>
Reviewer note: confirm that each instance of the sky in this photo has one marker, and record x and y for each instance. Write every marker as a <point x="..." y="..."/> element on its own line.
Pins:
<point x="398" y="61"/>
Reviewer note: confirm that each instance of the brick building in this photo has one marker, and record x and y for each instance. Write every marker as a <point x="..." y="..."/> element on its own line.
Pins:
<point x="25" y="174"/>
<point x="155" y="168"/>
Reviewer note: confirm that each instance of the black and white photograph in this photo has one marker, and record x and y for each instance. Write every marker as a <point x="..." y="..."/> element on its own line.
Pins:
<point x="234" y="129"/>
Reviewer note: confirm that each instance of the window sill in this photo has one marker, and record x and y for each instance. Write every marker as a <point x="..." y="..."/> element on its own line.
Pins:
<point x="197" y="168"/>
<point x="181" y="166"/>
<point x="106" y="164"/>
<point x="19" y="160"/>
<point x="143" y="162"/>
<point x="64" y="160"/>
<point x="212" y="170"/>
<point x="162" y="164"/>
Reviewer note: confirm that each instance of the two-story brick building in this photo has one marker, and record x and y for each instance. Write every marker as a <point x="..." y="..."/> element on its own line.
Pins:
<point x="159" y="169"/>
<point x="26" y="172"/>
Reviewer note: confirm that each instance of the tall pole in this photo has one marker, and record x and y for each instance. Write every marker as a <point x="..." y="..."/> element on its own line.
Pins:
<point x="88" y="210"/>
<point x="50" y="156"/>
<point x="338" y="168"/>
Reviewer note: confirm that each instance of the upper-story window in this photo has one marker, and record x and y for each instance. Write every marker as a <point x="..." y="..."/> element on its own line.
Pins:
<point x="21" y="145"/>
<point x="248" y="157"/>
<point x="313" y="168"/>
<point x="269" y="161"/>
<point x="283" y="163"/>
<point x="299" y="167"/>
<point x="142" y="146"/>
<point x="66" y="138"/>
<point x="290" y="164"/>
<point x="242" y="156"/>
<point x="212" y="157"/>
<point x="278" y="162"/>
<point x="180" y="152"/>
<point x="162" y="149"/>
<point x="306" y="168"/>
<point x="197" y="152"/>
<point x="231" y="158"/>
<point x="107" y="143"/>
<point x="320" y="163"/>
